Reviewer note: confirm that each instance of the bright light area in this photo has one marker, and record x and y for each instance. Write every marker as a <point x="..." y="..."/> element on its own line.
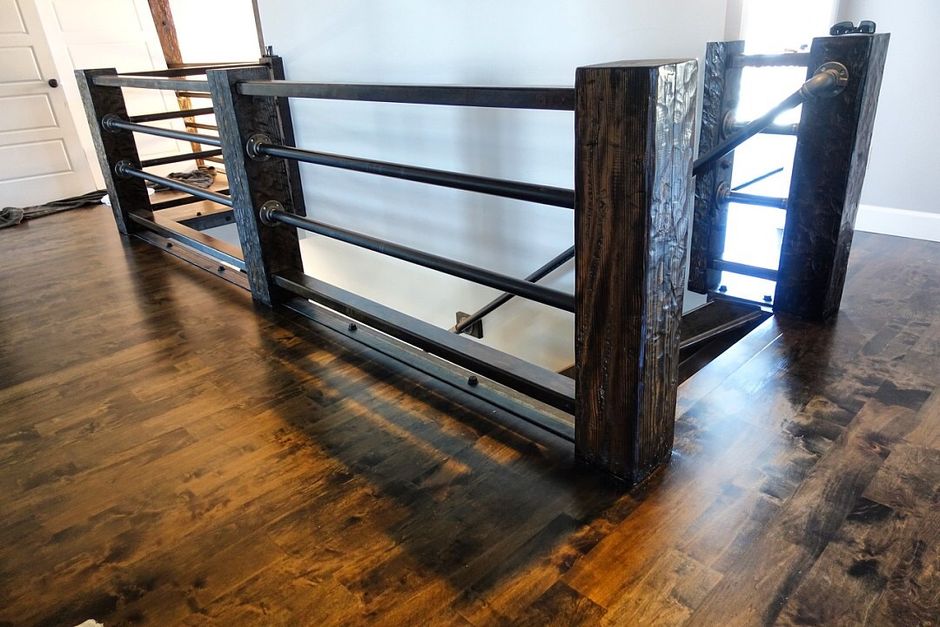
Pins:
<point x="216" y="31"/>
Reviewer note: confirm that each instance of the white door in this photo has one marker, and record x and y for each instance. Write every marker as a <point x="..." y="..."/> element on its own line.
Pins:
<point x="41" y="158"/>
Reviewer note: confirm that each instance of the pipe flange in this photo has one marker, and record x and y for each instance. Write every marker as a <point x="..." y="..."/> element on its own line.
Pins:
<point x="107" y="120"/>
<point x="254" y="142"/>
<point x="840" y="79"/>
<point x="120" y="168"/>
<point x="727" y="124"/>
<point x="721" y="194"/>
<point x="268" y="208"/>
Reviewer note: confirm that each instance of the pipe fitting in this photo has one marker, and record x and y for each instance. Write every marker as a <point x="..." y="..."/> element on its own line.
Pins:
<point x="830" y="79"/>
<point x="265" y="214"/>
<point x="107" y="120"/>
<point x="120" y="168"/>
<point x="254" y="143"/>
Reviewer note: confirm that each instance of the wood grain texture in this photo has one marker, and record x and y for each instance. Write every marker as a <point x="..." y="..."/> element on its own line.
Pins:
<point x="171" y="455"/>
<point x="720" y="93"/>
<point x="126" y="194"/>
<point x="828" y="172"/>
<point x="287" y="136"/>
<point x="252" y="182"/>
<point x="633" y="155"/>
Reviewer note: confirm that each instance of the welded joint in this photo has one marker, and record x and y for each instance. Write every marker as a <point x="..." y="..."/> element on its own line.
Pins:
<point x="253" y="146"/>
<point x="107" y="122"/>
<point x="830" y="79"/>
<point x="266" y="213"/>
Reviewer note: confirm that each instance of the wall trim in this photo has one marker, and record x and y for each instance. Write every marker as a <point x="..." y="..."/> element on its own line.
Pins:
<point x="898" y="222"/>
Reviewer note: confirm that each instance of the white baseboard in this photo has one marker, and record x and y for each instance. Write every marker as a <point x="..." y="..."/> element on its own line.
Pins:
<point x="898" y="222"/>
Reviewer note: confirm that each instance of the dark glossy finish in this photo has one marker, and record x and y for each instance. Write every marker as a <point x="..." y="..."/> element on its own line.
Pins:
<point x="170" y="115"/>
<point x="828" y="173"/>
<point x="267" y="251"/>
<point x="543" y="194"/>
<point x="720" y="97"/>
<point x="117" y="123"/>
<point x="127" y="195"/>
<point x="192" y="190"/>
<point x="558" y="98"/>
<point x="202" y="154"/>
<point x="633" y="162"/>
<point x="543" y="385"/>
<point x="171" y="457"/>
<point x="519" y="287"/>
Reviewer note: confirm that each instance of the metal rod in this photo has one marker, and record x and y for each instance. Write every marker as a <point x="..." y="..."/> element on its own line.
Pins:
<point x="194" y="94"/>
<point x="113" y="123"/>
<point x="787" y="59"/>
<point x="179" y="234"/>
<point x="544" y="295"/>
<point x="755" y="199"/>
<point x="190" y="70"/>
<point x="505" y="297"/>
<point x="554" y="98"/>
<point x="745" y="269"/>
<point x="125" y="169"/>
<point x="146" y="163"/>
<point x="151" y="83"/>
<point x="171" y="115"/>
<point x="207" y="127"/>
<point x="543" y="194"/>
<point x="179" y="202"/>
<point x="757" y="179"/>
<point x="773" y="129"/>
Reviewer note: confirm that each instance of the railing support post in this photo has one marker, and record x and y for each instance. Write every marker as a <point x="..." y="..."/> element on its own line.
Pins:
<point x="828" y="171"/>
<point x="268" y="250"/>
<point x="127" y="195"/>
<point x="634" y="123"/>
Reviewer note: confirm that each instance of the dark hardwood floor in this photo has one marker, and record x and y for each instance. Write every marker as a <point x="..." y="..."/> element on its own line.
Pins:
<point x="171" y="455"/>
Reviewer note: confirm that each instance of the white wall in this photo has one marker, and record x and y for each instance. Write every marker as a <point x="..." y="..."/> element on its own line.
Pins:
<point x="212" y="31"/>
<point x="526" y="42"/>
<point x="904" y="162"/>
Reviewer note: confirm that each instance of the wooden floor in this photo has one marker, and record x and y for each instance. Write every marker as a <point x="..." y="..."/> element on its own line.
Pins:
<point x="170" y="455"/>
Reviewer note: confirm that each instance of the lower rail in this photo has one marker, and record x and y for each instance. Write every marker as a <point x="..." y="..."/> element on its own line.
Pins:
<point x="194" y="239"/>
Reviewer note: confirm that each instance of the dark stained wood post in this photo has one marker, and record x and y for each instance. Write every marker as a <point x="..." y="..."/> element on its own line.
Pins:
<point x="287" y="133"/>
<point x="268" y="250"/>
<point x="719" y="99"/>
<point x="634" y="123"/>
<point x="127" y="195"/>
<point x="829" y="168"/>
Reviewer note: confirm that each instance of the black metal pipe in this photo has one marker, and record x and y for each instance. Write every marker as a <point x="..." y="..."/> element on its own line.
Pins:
<point x="189" y="156"/>
<point x="505" y="297"/>
<point x="554" y="98"/>
<point x="543" y="194"/>
<point x="124" y="168"/>
<point x="754" y="199"/>
<point x="111" y="80"/>
<point x="205" y="127"/>
<point x="773" y="129"/>
<point x="171" y="115"/>
<point x="745" y="269"/>
<point x="194" y="94"/>
<point x="544" y="295"/>
<point x="113" y="123"/>
<point x="757" y="179"/>
<point x="191" y="70"/>
<point x="179" y="202"/>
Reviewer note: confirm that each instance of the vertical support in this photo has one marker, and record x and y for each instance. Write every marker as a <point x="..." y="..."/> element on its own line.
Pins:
<point x="634" y="123"/>
<point x="268" y="250"/>
<point x="828" y="171"/>
<point x="127" y="195"/>
<point x="287" y="133"/>
<point x="719" y="100"/>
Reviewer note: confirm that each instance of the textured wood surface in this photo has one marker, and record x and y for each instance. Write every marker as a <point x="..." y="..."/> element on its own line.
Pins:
<point x="267" y="250"/>
<point x="126" y="194"/>
<point x="287" y="136"/>
<point x="633" y="184"/>
<point x="719" y="97"/>
<point x="828" y="172"/>
<point x="172" y="456"/>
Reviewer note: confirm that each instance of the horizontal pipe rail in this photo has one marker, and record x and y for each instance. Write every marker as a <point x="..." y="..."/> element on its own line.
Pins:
<point x="773" y="129"/>
<point x="757" y="179"/>
<point x="505" y="297"/>
<point x="551" y="98"/>
<point x="194" y="94"/>
<point x="114" y="123"/>
<point x="191" y="70"/>
<point x="179" y="202"/>
<point x="170" y="84"/>
<point x="205" y="127"/>
<point x="544" y="295"/>
<point x="543" y="194"/>
<point x="171" y="115"/>
<point x="123" y="168"/>
<point x="743" y="268"/>
<point x="787" y="59"/>
<point x="188" y="156"/>
<point x="200" y="243"/>
<point x="755" y="199"/>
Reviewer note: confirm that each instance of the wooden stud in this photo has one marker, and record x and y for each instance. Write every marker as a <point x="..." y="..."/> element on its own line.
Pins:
<point x="268" y="250"/>
<point x="828" y="172"/>
<point x="127" y="195"/>
<point x="633" y="181"/>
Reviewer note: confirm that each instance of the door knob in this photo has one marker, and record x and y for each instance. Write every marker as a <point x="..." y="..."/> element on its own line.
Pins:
<point x="53" y="82"/>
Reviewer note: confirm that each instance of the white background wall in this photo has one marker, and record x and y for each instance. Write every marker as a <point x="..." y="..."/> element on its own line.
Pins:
<point x="904" y="161"/>
<point x="526" y="42"/>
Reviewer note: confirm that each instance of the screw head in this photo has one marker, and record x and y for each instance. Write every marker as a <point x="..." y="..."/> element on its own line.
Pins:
<point x="722" y="288"/>
<point x="352" y="326"/>
<point x="221" y="268"/>
<point x="472" y="381"/>
<point x="169" y="244"/>
<point x="768" y="298"/>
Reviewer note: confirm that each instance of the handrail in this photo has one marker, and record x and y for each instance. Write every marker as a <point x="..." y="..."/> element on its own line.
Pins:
<point x="552" y="98"/>
<point x="117" y="80"/>
<point x="114" y="123"/>
<point x="125" y="168"/>
<point x="191" y="70"/>
<point x="544" y="194"/>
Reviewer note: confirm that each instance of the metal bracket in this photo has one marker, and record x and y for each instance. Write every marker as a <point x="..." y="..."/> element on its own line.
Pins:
<point x="829" y="79"/>
<point x="251" y="146"/>
<point x="264" y="214"/>
<point x="475" y="329"/>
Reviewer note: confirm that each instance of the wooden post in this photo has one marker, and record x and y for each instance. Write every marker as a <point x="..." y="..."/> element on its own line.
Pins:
<point x="719" y="99"/>
<point x="287" y="133"/>
<point x="127" y="195"/>
<point x="268" y="250"/>
<point x="633" y="183"/>
<point x="829" y="168"/>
